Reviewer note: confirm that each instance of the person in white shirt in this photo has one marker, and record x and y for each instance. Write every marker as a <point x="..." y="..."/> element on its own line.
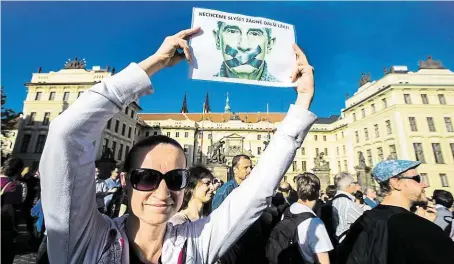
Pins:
<point x="313" y="238"/>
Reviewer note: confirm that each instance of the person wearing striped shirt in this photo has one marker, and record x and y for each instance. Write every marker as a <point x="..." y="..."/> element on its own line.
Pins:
<point x="345" y="210"/>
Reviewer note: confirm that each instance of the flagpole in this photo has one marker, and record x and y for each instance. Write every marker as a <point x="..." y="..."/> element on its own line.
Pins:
<point x="201" y="142"/>
<point x="268" y="117"/>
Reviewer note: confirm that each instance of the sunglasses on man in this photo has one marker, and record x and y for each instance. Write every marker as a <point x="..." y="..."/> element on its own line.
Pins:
<point x="416" y="178"/>
<point x="148" y="179"/>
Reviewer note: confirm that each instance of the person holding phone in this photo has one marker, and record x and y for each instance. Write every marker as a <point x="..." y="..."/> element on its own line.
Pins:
<point x="155" y="176"/>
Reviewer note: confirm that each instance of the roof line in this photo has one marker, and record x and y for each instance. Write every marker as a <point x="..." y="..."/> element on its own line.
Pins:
<point x="168" y="113"/>
<point x="368" y="97"/>
<point x="72" y="83"/>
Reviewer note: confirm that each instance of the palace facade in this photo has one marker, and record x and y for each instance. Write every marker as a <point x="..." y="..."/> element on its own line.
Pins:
<point x="50" y="93"/>
<point x="404" y="114"/>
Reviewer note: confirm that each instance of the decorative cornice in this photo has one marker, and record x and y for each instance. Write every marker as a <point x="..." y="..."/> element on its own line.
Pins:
<point x="67" y="84"/>
<point x="75" y="64"/>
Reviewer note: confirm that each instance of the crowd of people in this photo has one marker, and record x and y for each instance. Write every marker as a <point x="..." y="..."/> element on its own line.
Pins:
<point x="153" y="209"/>
<point x="20" y="194"/>
<point x="316" y="222"/>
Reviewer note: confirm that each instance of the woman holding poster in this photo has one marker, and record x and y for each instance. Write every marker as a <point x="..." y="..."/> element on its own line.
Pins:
<point x="155" y="178"/>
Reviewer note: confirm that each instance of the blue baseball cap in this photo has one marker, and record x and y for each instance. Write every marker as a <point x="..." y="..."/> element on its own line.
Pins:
<point x="387" y="169"/>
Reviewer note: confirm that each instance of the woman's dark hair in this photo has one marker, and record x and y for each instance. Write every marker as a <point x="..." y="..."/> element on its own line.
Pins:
<point x="148" y="142"/>
<point x="196" y="174"/>
<point x="13" y="167"/>
<point x="359" y="196"/>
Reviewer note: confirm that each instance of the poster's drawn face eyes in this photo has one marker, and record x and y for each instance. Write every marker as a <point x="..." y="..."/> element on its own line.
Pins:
<point x="232" y="30"/>
<point x="256" y="33"/>
<point x="245" y="41"/>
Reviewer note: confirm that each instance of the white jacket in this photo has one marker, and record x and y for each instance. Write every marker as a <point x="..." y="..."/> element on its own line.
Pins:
<point x="78" y="233"/>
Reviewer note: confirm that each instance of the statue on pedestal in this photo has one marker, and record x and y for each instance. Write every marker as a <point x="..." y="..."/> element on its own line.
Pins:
<point x="363" y="172"/>
<point x="217" y="154"/>
<point x="361" y="160"/>
<point x="321" y="169"/>
<point x="320" y="162"/>
<point x="365" y="78"/>
<point x="430" y="64"/>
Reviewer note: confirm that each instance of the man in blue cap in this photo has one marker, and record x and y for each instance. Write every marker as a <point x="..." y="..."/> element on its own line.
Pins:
<point x="400" y="174"/>
<point x="390" y="233"/>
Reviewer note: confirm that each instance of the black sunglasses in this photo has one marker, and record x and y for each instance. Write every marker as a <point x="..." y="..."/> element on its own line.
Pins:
<point x="416" y="178"/>
<point x="149" y="179"/>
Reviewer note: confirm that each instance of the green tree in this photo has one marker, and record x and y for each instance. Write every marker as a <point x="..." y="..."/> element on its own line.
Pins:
<point x="8" y="115"/>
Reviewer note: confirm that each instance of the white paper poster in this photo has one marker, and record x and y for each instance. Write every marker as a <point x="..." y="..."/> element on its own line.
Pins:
<point x="242" y="49"/>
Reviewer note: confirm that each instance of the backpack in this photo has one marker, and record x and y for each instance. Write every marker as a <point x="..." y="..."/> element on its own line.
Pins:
<point x="326" y="215"/>
<point x="448" y="219"/>
<point x="282" y="246"/>
<point x="367" y="240"/>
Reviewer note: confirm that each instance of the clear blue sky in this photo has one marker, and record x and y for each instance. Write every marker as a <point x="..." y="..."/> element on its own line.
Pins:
<point x="341" y="39"/>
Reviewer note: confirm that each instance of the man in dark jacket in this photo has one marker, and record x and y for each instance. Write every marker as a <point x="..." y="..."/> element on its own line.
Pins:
<point x="390" y="233"/>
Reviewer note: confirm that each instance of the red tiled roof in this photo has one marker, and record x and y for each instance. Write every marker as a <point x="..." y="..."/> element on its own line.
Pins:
<point x="215" y="117"/>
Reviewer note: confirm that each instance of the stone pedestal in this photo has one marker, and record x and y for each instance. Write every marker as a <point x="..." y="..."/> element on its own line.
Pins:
<point x="364" y="177"/>
<point x="219" y="171"/>
<point x="323" y="175"/>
